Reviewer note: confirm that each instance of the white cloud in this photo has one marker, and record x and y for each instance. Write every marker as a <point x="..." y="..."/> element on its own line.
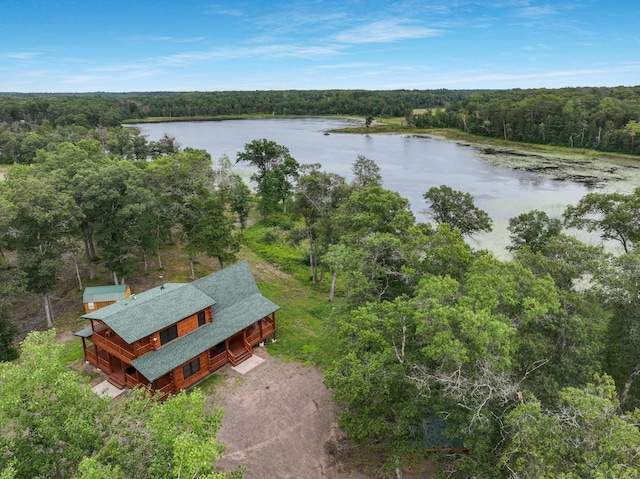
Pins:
<point x="219" y="10"/>
<point x="338" y="66"/>
<point x="262" y="51"/>
<point x="384" y="31"/>
<point x="522" y="79"/>
<point x="19" y="55"/>
<point x="539" y="46"/>
<point x="536" y="12"/>
<point x="160" y="38"/>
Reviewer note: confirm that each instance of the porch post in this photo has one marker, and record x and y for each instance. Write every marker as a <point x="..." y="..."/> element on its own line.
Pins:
<point x="84" y="349"/>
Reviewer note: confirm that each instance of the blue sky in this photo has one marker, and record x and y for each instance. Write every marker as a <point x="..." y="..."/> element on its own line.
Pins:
<point x="118" y="46"/>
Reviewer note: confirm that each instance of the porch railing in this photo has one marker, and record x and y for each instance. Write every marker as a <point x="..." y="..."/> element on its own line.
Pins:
<point x="91" y="356"/>
<point x="218" y="361"/>
<point x="98" y="361"/>
<point x="113" y="347"/>
<point x="266" y="328"/>
<point x="164" y="392"/>
<point x="131" y="380"/>
<point x="140" y="350"/>
<point x="104" y="364"/>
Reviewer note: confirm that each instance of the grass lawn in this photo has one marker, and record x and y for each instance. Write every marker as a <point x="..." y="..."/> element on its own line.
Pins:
<point x="306" y="314"/>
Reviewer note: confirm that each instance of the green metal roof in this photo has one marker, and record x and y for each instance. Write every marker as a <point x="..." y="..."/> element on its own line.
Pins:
<point x="84" y="333"/>
<point x="156" y="364"/>
<point x="146" y="313"/>
<point x="230" y="285"/>
<point x="238" y="305"/>
<point x="235" y="301"/>
<point x="98" y="294"/>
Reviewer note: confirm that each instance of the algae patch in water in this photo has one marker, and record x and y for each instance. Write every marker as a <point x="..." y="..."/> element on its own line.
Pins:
<point x="594" y="172"/>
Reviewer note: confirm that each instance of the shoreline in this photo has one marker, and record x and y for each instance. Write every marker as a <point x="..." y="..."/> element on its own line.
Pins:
<point x="593" y="169"/>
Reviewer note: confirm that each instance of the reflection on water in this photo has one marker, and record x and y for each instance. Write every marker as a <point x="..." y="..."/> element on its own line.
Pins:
<point x="409" y="165"/>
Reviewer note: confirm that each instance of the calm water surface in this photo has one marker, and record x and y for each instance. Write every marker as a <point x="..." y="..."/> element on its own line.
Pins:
<point x="409" y="165"/>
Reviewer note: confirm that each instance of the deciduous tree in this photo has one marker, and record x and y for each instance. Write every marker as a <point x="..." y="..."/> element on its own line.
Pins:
<point x="12" y="282"/>
<point x="318" y="195"/>
<point x="583" y="436"/>
<point x="533" y="229"/>
<point x="54" y="425"/>
<point x="451" y="348"/>
<point x="366" y="173"/>
<point x="456" y="208"/>
<point x="277" y="170"/>
<point x="44" y="223"/>
<point x="615" y="215"/>
<point x="619" y="289"/>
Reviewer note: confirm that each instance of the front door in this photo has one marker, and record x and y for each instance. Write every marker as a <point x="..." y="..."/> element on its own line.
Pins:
<point x="117" y="367"/>
<point x="236" y="343"/>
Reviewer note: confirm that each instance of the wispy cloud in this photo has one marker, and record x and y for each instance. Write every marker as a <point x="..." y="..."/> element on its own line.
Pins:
<point x="384" y="31"/>
<point x="260" y="51"/>
<point x="106" y="76"/>
<point x="164" y="38"/>
<point x="537" y="47"/>
<point x="536" y="12"/>
<point x="20" y="55"/>
<point x="482" y="78"/>
<point x="337" y="66"/>
<point x="223" y="10"/>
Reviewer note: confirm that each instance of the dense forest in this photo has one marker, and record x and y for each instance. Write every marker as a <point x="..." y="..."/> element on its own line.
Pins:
<point x="524" y="368"/>
<point x="604" y="119"/>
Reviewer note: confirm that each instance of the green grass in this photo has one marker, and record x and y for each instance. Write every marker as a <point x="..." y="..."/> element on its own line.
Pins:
<point x="271" y="244"/>
<point x="306" y="315"/>
<point x="208" y="384"/>
<point x="71" y="351"/>
<point x="302" y="323"/>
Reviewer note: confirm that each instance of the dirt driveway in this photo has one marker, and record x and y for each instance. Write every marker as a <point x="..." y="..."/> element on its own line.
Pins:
<point x="279" y="422"/>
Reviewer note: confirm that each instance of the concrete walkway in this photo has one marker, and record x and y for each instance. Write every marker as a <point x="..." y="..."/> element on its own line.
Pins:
<point x="245" y="366"/>
<point x="105" y="388"/>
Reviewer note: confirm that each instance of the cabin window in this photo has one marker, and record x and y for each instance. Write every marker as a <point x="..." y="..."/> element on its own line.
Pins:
<point x="91" y="305"/>
<point x="191" y="368"/>
<point x="169" y="334"/>
<point x="220" y="348"/>
<point x="202" y="318"/>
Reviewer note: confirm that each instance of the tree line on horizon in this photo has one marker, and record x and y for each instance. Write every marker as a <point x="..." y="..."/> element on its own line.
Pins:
<point x="601" y="118"/>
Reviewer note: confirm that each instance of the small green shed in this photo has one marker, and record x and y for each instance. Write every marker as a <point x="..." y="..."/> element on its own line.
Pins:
<point x="96" y="297"/>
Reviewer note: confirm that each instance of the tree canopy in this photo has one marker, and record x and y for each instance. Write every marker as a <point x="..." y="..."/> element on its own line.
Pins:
<point x="85" y="436"/>
<point x="456" y="208"/>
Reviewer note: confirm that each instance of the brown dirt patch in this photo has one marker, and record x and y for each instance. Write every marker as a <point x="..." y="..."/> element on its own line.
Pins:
<point x="279" y="421"/>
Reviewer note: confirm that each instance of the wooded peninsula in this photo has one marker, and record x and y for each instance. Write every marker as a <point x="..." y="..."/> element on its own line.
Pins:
<point x="438" y="355"/>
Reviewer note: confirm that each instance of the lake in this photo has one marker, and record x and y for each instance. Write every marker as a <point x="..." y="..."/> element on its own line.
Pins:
<point x="409" y="165"/>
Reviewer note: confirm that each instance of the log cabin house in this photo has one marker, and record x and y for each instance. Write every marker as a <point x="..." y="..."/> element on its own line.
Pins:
<point x="175" y="334"/>
<point x="96" y="297"/>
